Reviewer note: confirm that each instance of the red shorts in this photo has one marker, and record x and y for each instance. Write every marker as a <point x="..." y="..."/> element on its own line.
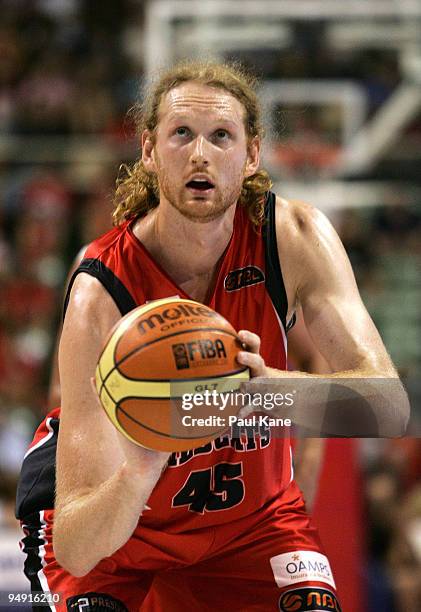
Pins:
<point x="272" y="560"/>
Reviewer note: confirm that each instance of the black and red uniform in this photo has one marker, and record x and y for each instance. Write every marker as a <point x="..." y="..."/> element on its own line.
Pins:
<point x="226" y="528"/>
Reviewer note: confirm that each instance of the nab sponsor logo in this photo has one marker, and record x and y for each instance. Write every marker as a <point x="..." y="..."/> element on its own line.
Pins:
<point x="243" y="277"/>
<point x="198" y="353"/>
<point x="308" y="599"/>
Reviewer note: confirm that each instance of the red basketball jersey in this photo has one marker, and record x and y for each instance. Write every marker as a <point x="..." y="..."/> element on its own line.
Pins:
<point x="248" y="467"/>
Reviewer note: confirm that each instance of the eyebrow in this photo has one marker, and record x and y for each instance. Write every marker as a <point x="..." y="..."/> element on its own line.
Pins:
<point x="182" y="116"/>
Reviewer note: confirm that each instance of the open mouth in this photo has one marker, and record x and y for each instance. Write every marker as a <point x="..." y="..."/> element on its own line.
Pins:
<point x="200" y="185"/>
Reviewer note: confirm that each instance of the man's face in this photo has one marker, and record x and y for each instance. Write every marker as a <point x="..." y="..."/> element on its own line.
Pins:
<point x="200" y="154"/>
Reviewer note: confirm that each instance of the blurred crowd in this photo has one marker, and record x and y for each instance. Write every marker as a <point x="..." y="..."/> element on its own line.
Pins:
<point x="70" y="68"/>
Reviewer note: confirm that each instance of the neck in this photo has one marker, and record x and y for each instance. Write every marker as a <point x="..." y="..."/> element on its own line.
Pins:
<point x="184" y="248"/>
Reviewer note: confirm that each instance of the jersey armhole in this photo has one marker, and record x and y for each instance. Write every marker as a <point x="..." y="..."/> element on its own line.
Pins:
<point x="274" y="280"/>
<point x="120" y="294"/>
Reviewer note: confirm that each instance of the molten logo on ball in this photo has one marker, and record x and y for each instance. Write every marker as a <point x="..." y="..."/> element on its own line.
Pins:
<point x="169" y="315"/>
<point x="198" y="352"/>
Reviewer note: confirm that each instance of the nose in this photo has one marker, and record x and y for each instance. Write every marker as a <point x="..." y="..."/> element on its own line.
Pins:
<point x="199" y="156"/>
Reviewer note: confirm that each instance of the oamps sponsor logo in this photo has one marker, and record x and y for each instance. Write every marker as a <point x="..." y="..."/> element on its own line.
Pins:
<point x="95" y="602"/>
<point x="297" y="565"/>
<point x="198" y="353"/>
<point x="243" y="277"/>
<point x="301" y="566"/>
<point x="308" y="599"/>
<point x="175" y="316"/>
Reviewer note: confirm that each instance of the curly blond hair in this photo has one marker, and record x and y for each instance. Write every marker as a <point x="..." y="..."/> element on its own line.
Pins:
<point x="137" y="190"/>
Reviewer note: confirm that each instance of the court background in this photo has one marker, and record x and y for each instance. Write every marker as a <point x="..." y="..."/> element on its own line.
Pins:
<point x="341" y="91"/>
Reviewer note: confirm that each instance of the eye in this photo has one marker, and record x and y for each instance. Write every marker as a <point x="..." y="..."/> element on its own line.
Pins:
<point x="222" y="134"/>
<point x="182" y="131"/>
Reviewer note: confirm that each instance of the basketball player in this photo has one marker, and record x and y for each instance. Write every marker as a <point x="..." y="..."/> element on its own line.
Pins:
<point x="223" y="527"/>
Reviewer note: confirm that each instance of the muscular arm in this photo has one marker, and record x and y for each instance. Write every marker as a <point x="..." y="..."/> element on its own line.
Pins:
<point x="363" y="395"/>
<point x="103" y="480"/>
<point x="343" y="331"/>
<point x="308" y="452"/>
<point x="334" y="313"/>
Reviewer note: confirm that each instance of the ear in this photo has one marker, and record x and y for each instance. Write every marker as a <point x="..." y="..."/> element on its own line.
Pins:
<point x="148" y="151"/>
<point x="253" y="157"/>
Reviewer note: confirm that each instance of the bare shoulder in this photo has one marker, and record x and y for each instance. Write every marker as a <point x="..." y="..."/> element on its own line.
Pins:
<point x="90" y="305"/>
<point x="299" y="221"/>
<point x="310" y="233"/>
<point x="90" y="315"/>
<point x="311" y="254"/>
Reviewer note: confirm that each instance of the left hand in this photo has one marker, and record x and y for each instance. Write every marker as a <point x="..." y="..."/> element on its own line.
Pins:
<point x="259" y="371"/>
<point x="251" y="356"/>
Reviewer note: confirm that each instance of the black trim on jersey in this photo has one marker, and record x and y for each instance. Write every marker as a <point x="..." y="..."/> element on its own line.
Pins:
<point x="37" y="478"/>
<point x="31" y="544"/>
<point x="120" y="294"/>
<point x="274" y="280"/>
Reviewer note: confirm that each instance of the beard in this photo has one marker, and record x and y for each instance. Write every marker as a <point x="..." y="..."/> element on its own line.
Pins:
<point x="198" y="209"/>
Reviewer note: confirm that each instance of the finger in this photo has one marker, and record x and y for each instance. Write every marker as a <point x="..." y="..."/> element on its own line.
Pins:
<point x="255" y="362"/>
<point x="250" y="340"/>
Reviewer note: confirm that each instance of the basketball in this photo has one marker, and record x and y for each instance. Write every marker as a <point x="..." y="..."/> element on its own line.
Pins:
<point x="158" y="355"/>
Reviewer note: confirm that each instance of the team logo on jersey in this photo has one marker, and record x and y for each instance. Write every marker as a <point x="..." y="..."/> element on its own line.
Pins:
<point x="241" y="439"/>
<point x="199" y="353"/>
<point x="95" y="602"/>
<point x="243" y="277"/>
<point x="307" y="599"/>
